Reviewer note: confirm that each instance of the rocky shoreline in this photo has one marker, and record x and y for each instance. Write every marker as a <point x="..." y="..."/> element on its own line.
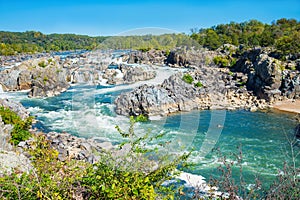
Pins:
<point x="255" y="81"/>
<point x="50" y="76"/>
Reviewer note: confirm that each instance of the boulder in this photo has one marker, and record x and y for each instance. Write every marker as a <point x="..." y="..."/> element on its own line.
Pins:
<point x="43" y="77"/>
<point x="267" y="76"/>
<point x="189" y="57"/>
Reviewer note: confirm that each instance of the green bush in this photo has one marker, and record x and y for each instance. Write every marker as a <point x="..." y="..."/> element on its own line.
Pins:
<point x="42" y="64"/>
<point x="141" y="118"/>
<point x="198" y="84"/>
<point x="128" y="176"/>
<point x="20" y="131"/>
<point x="188" y="78"/>
<point x="222" y="61"/>
<point x="106" y="181"/>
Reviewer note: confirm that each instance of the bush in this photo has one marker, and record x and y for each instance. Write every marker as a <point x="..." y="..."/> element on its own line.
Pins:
<point x="128" y="176"/>
<point x="222" y="61"/>
<point x="141" y="118"/>
<point x="20" y="131"/>
<point x="188" y="78"/>
<point x="198" y="84"/>
<point x="104" y="180"/>
<point x="42" y="64"/>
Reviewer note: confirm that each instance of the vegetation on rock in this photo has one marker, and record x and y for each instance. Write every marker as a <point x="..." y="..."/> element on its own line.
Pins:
<point x="188" y="78"/>
<point x="20" y="127"/>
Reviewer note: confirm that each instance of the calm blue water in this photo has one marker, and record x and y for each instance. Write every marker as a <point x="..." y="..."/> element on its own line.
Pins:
<point x="88" y="111"/>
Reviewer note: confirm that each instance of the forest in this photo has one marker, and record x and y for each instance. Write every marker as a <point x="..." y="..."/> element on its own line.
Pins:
<point x="282" y="35"/>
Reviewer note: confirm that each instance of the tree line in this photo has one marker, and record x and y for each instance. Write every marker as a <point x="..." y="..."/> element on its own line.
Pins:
<point x="283" y="34"/>
<point x="12" y="43"/>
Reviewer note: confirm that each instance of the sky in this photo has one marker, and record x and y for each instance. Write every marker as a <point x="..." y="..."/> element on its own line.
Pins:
<point x="97" y="17"/>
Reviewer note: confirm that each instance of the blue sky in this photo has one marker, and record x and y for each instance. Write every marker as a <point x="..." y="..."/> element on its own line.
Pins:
<point x="92" y="17"/>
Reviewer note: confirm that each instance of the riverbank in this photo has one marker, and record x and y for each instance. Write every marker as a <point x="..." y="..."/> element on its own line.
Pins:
<point x="289" y="106"/>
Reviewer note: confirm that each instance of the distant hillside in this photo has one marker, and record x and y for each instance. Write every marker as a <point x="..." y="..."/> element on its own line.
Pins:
<point x="283" y="34"/>
<point x="31" y="42"/>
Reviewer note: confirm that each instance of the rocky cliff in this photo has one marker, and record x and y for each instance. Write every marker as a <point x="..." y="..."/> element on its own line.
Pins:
<point x="268" y="77"/>
<point x="43" y="77"/>
<point x="211" y="88"/>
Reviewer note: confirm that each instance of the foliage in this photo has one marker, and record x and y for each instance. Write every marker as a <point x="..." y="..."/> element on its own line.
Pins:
<point x="12" y="43"/>
<point x="50" y="179"/>
<point x="284" y="34"/>
<point x="198" y="84"/>
<point x="224" y="61"/>
<point x="130" y="175"/>
<point x="141" y="118"/>
<point x="188" y="78"/>
<point x="42" y="64"/>
<point x="104" y="180"/>
<point x="145" y="43"/>
<point x="20" y="127"/>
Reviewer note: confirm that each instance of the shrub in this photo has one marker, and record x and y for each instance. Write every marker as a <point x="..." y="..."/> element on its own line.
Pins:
<point x="42" y="64"/>
<point x="188" y="78"/>
<point x="198" y="84"/>
<point x="221" y="61"/>
<point x="50" y="60"/>
<point x="141" y="118"/>
<point x="128" y="176"/>
<point x="20" y="131"/>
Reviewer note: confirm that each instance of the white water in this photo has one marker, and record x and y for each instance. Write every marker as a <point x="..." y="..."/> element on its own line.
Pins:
<point x="162" y="73"/>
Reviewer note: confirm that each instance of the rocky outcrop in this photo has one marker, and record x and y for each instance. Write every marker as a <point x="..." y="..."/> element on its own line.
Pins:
<point x="212" y="88"/>
<point x="135" y="74"/>
<point x="126" y="74"/>
<point x="15" y="107"/>
<point x="43" y="77"/>
<point x="267" y="76"/>
<point x="5" y="136"/>
<point x="189" y="57"/>
<point x="72" y="147"/>
<point x="155" y="57"/>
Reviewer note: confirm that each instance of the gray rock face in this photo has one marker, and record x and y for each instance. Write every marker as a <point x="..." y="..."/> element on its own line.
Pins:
<point x="267" y="77"/>
<point x="5" y="136"/>
<point x="135" y="74"/>
<point x="183" y="57"/>
<point x="150" y="57"/>
<point x="43" y="77"/>
<point x="15" y="107"/>
<point x="72" y="147"/>
<point x="10" y="161"/>
<point x="220" y="90"/>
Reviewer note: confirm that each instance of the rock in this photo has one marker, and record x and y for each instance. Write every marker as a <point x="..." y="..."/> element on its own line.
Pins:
<point x="72" y="147"/>
<point x="105" y="145"/>
<point x="15" y="107"/>
<point x="253" y="109"/>
<point x="135" y="74"/>
<point x="183" y="57"/>
<point x="44" y="77"/>
<point x="155" y="57"/>
<point x="10" y="161"/>
<point x="5" y="136"/>
<point x="267" y="77"/>
<point x="175" y="95"/>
